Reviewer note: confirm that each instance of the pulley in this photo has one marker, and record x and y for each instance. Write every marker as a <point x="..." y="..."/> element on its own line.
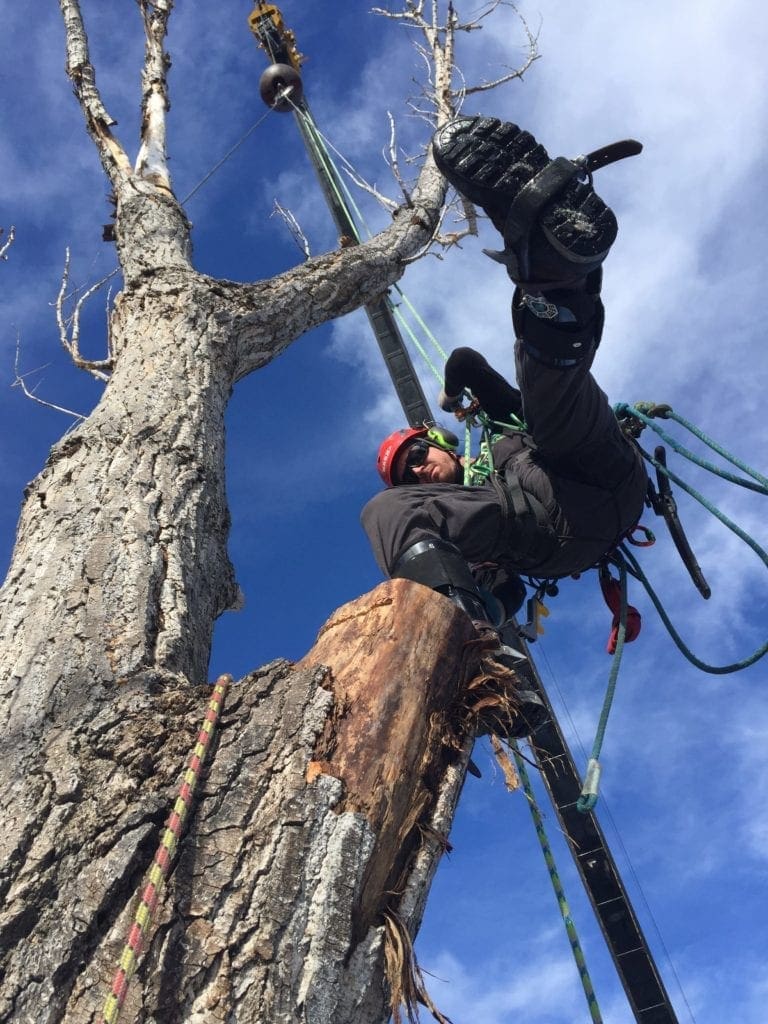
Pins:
<point x="273" y="85"/>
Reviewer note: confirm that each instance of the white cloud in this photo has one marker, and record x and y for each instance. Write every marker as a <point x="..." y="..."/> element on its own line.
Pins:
<point x="498" y="989"/>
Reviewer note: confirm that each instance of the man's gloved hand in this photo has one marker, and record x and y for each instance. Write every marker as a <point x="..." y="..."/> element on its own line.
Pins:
<point x="449" y="403"/>
<point x="612" y="594"/>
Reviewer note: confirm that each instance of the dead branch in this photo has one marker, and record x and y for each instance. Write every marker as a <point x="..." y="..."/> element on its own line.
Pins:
<point x="392" y="161"/>
<point x="6" y="245"/>
<point x="69" y="327"/>
<point x="83" y="77"/>
<point x="449" y="239"/>
<point x="294" y="227"/>
<point x="437" y="50"/>
<point x="20" y="382"/>
<point x="356" y="179"/>
<point x="152" y="161"/>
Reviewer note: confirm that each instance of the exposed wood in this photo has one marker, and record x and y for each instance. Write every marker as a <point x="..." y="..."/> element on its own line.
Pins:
<point x="326" y="802"/>
<point x="397" y="719"/>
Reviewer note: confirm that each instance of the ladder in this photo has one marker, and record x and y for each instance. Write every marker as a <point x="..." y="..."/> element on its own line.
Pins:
<point x="599" y="874"/>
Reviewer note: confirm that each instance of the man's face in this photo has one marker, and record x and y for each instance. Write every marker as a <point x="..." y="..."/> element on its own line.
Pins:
<point x="424" y="464"/>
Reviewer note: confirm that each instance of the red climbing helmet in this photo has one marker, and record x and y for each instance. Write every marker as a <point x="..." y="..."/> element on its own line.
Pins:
<point x="391" y="447"/>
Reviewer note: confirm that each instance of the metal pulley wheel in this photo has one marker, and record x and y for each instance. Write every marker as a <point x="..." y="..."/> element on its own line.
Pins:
<point x="274" y="81"/>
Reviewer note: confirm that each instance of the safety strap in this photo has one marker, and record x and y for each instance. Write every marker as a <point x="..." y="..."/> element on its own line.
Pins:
<point x="534" y="538"/>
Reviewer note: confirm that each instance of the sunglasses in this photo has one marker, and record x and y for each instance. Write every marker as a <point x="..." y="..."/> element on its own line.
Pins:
<point x="416" y="455"/>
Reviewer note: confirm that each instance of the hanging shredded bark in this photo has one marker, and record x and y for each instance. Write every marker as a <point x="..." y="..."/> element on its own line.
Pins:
<point x="508" y="770"/>
<point x="404" y="975"/>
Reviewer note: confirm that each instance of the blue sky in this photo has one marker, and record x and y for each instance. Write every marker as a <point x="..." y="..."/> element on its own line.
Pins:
<point x="685" y="756"/>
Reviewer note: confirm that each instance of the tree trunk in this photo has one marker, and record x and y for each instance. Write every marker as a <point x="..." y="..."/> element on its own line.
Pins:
<point x="314" y="824"/>
<point x="326" y="803"/>
<point x="120" y="570"/>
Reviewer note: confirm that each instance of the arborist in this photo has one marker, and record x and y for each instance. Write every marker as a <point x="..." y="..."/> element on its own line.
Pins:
<point x="568" y="486"/>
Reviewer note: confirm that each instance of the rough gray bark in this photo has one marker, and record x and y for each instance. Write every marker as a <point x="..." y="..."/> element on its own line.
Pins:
<point x="318" y="813"/>
<point x="119" y="571"/>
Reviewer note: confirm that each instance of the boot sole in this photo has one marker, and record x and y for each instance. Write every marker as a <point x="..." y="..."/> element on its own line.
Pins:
<point x="489" y="161"/>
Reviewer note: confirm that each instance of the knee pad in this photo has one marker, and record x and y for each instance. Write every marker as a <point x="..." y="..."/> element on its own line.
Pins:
<point x="437" y="564"/>
<point x="560" y="328"/>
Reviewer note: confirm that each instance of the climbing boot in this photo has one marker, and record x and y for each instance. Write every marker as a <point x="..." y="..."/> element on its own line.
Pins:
<point x="556" y="229"/>
<point x="502" y="590"/>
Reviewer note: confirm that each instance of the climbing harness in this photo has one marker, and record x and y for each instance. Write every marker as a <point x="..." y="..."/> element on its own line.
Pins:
<point x="163" y="859"/>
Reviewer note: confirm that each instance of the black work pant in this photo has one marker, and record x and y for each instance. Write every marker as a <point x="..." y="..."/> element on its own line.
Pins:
<point x="589" y="479"/>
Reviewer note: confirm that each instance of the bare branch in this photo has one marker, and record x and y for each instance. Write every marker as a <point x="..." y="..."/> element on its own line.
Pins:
<point x="361" y="183"/>
<point x="152" y="160"/>
<point x="69" y="327"/>
<point x="20" y="382"/>
<point x="393" y="162"/>
<point x="294" y="227"/>
<point x="443" y="99"/>
<point x="448" y="239"/>
<point x="6" y="245"/>
<point x="83" y="78"/>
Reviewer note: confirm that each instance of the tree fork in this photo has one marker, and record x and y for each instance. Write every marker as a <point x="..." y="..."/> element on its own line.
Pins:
<point x="326" y="804"/>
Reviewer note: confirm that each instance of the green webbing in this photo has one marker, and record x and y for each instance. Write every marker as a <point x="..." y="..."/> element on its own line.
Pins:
<point x="419" y="320"/>
<point x="589" y="791"/>
<point x="557" y="885"/>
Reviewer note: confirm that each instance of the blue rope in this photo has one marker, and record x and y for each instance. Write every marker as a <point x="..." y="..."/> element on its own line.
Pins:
<point x="636" y="571"/>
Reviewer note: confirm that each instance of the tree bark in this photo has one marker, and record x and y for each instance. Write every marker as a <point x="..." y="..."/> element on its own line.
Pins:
<point x="326" y="803"/>
<point x="119" y="571"/>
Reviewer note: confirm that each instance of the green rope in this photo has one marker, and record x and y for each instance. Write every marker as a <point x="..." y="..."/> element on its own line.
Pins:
<point x="589" y="792"/>
<point x="420" y="321"/>
<point x="761" y="486"/>
<point x="332" y="172"/>
<point x="417" y="344"/>
<point x="467" y="453"/>
<point x="347" y="201"/>
<point x="321" y="148"/>
<point x="636" y="411"/>
<point x="557" y="885"/>
<point x="637" y="572"/>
